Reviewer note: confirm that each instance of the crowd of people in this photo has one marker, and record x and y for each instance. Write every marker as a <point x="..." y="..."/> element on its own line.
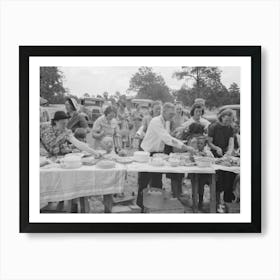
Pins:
<point x="162" y="128"/>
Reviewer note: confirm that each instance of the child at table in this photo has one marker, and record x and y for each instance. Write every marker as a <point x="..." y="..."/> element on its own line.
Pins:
<point x="107" y="144"/>
<point x="203" y="179"/>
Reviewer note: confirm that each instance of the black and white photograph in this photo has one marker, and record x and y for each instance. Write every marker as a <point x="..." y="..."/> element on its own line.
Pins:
<point x="141" y="137"/>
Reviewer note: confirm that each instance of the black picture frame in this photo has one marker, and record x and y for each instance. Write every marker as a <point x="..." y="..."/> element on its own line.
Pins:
<point x="25" y="52"/>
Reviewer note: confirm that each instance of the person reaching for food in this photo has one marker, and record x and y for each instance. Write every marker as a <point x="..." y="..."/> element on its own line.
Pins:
<point x="155" y="140"/>
<point x="57" y="139"/>
<point x="221" y="142"/>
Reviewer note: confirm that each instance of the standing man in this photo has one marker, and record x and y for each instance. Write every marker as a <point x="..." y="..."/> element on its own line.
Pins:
<point x="157" y="136"/>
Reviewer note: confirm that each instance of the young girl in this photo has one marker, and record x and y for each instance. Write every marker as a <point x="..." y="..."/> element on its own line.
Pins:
<point x="203" y="179"/>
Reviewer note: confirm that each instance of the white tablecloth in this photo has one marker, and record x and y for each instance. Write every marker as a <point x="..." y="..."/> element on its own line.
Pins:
<point x="144" y="167"/>
<point x="234" y="169"/>
<point x="57" y="184"/>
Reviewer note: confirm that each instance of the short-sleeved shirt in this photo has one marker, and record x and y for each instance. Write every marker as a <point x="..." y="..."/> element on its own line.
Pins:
<point x="76" y="121"/>
<point x="54" y="141"/>
<point x="110" y="128"/>
<point x="178" y="121"/>
<point x="221" y="135"/>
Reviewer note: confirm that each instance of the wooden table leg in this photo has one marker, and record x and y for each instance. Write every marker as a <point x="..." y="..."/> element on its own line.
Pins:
<point x="213" y="194"/>
<point x="195" y="193"/>
<point x="108" y="203"/>
<point x="60" y="206"/>
<point x="84" y="204"/>
<point x="67" y="207"/>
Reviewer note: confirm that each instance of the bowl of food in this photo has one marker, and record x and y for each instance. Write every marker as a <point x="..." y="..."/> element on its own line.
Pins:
<point x="106" y="164"/>
<point x="157" y="161"/>
<point x="89" y="160"/>
<point x="174" y="162"/>
<point x="124" y="160"/>
<point x="204" y="161"/>
<point x="122" y="153"/>
<point x="71" y="162"/>
<point x="141" y="156"/>
<point x="161" y="155"/>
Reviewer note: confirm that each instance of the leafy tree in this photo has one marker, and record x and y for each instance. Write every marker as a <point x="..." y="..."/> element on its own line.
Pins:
<point x="186" y="96"/>
<point x="51" y="85"/>
<point x="86" y="95"/>
<point x="206" y="84"/>
<point x="201" y="76"/>
<point x="149" y="85"/>
<point x="234" y="93"/>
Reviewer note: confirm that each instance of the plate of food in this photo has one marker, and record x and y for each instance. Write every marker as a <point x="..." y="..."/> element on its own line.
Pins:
<point x="110" y="156"/>
<point x="228" y="161"/>
<point x="204" y="161"/>
<point x="161" y="155"/>
<point x="124" y="160"/>
<point x="89" y="160"/>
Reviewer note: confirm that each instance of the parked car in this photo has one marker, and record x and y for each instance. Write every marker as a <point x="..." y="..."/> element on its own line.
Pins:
<point x="141" y="102"/>
<point x="91" y="108"/>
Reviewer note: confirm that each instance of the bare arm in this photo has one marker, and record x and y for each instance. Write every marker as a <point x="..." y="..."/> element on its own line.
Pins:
<point x="214" y="147"/>
<point x="230" y="146"/>
<point x="81" y="145"/>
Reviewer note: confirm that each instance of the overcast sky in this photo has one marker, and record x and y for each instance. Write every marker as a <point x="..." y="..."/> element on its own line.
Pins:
<point x="96" y="80"/>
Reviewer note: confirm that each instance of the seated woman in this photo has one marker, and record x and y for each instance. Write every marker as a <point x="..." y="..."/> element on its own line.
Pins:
<point x="57" y="139"/>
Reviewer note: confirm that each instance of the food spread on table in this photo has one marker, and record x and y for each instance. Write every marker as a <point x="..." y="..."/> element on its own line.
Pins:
<point x="76" y="160"/>
<point x="228" y="161"/>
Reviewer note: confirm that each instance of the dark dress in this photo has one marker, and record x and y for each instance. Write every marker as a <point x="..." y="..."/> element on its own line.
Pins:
<point x="221" y="135"/>
<point x="77" y="121"/>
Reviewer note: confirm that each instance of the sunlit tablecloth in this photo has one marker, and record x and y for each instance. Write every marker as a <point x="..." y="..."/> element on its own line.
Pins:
<point x="144" y="167"/>
<point x="57" y="184"/>
<point x="233" y="169"/>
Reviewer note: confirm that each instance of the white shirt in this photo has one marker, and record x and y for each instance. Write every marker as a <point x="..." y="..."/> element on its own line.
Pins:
<point x="157" y="136"/>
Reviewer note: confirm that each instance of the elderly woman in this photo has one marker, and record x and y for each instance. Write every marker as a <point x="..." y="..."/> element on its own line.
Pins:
<point x="56" y="139"/>
<point x="76" y="120"/>
<point x="221" y="142"/>
<point x="104" y="126"/>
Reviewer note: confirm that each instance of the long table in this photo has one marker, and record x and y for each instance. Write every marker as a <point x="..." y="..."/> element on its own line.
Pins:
<point x="57" y="184"/>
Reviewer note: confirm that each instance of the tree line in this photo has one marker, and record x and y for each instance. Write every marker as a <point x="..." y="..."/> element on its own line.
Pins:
<point x="199" y="82"/>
